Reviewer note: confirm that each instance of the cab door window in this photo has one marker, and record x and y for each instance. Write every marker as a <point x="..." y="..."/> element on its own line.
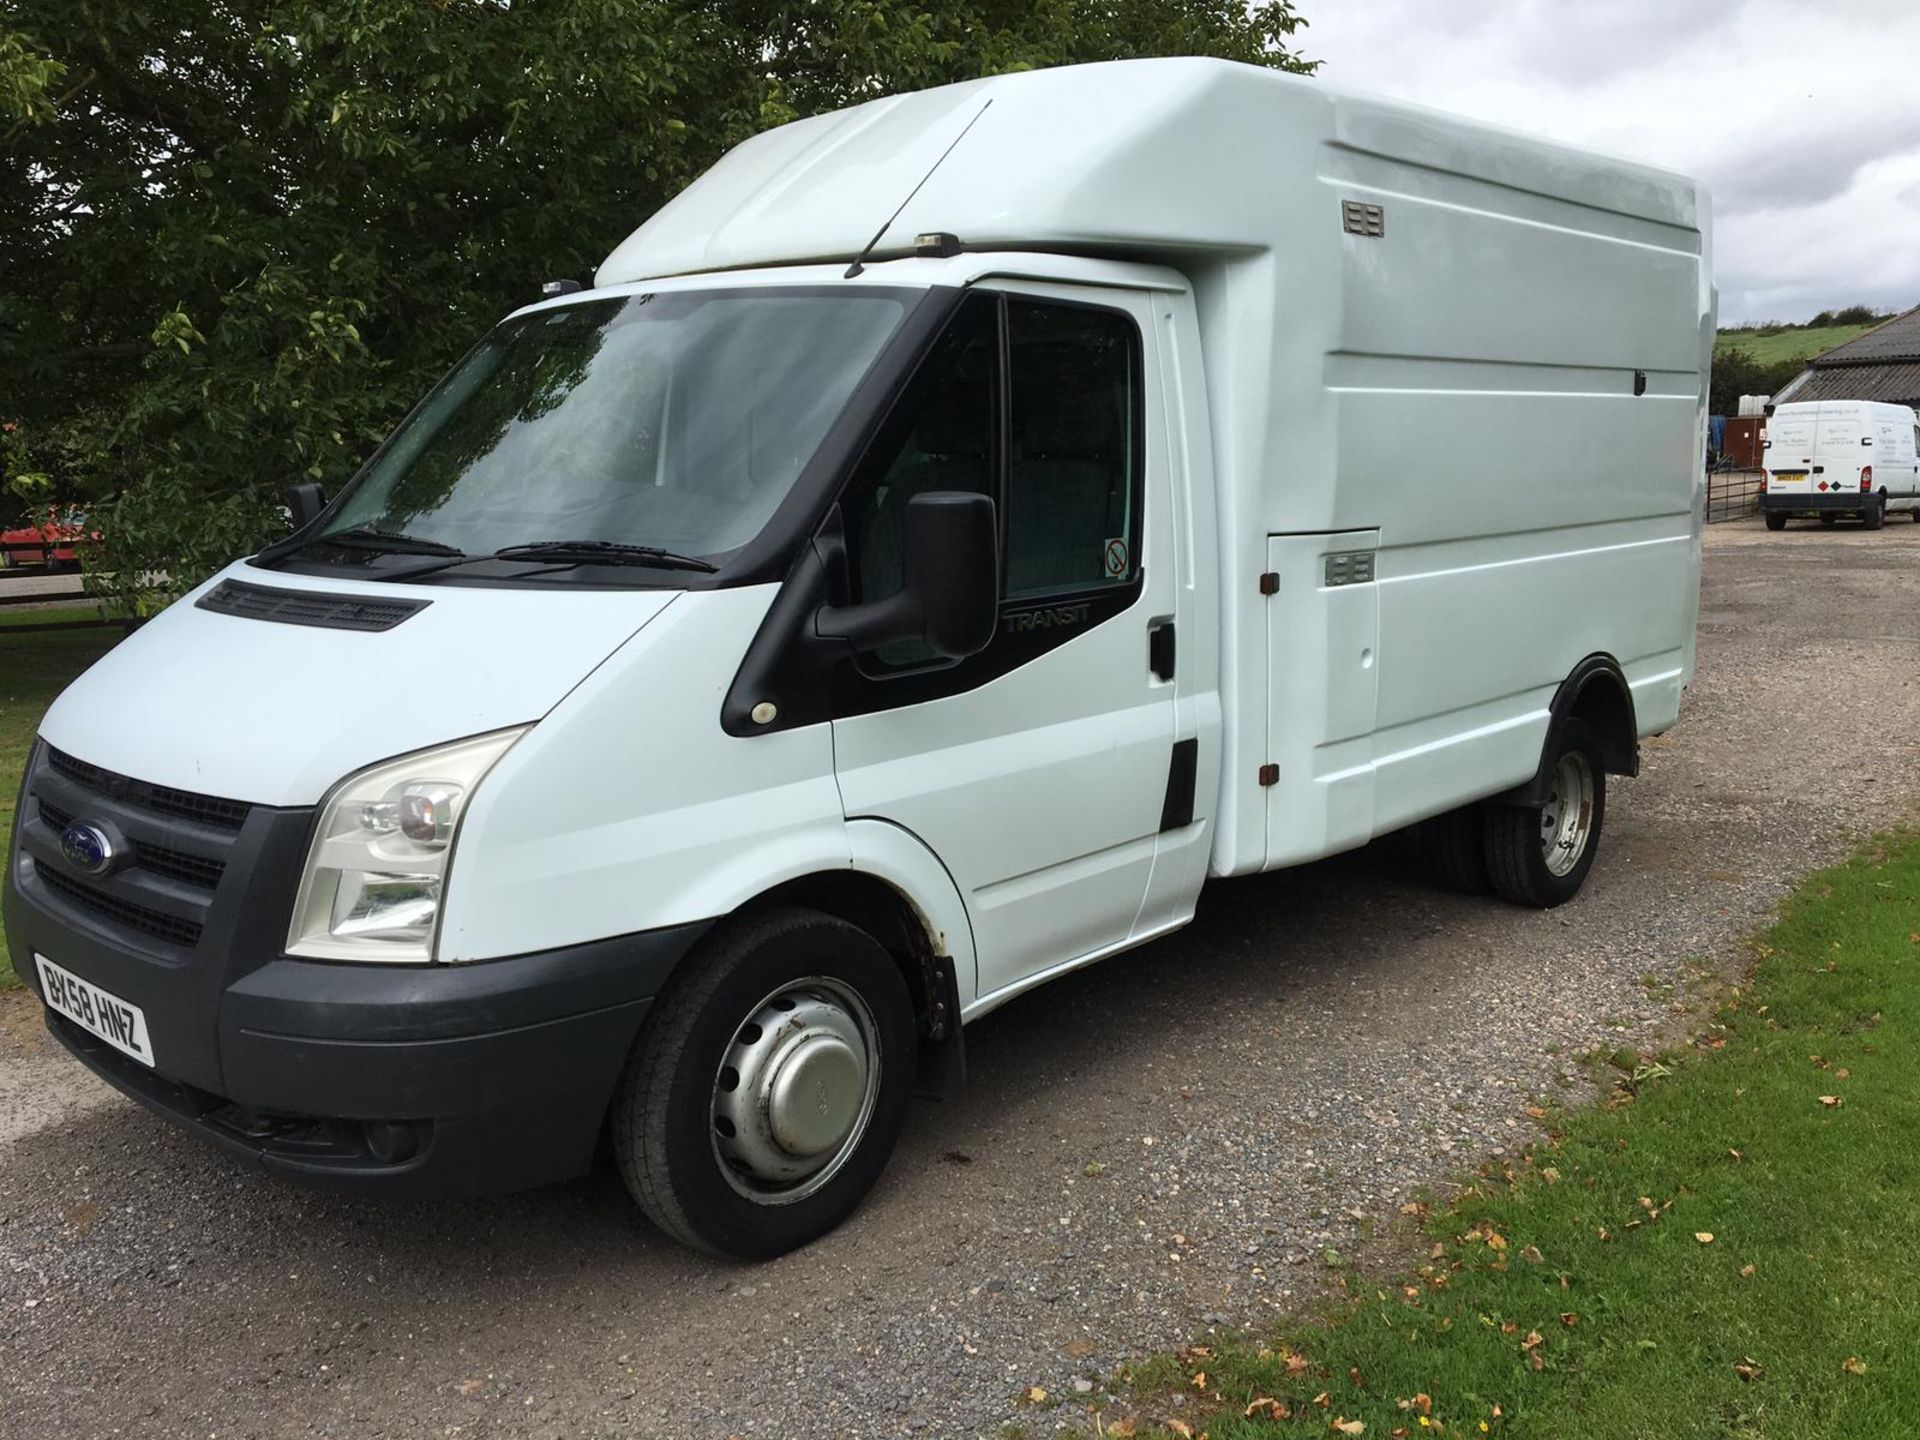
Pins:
<point x="1072" y="481"/>
<point x="1038" y="405"/>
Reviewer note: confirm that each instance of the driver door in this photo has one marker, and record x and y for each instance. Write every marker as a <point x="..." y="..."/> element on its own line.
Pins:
<point x="1036" y="770"/>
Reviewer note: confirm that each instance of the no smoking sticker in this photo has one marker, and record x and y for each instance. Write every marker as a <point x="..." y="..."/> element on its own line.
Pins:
<point x="1116" y="558"/>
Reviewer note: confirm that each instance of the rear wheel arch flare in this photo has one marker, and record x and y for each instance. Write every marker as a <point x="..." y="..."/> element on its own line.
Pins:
<point x="1597" y="693"/>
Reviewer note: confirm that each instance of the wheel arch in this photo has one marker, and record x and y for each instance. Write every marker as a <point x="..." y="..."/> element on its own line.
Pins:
<point x="895" y="890"/>
<point x="1595" y="691"/>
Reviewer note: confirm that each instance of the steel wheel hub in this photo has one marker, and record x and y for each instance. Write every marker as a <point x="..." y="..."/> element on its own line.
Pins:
<point x="795" y="1091"/>
<point x="1566" y="820"/>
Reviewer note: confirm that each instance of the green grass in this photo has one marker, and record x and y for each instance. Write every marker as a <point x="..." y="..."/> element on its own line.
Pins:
<point x="1803" y="342"/>
<point x="12" y="616"/>
<point x="1577" y="1294"/>
<point x="34" y="668"/>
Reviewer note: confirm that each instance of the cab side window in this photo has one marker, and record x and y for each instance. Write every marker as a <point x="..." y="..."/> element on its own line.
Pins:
<point x="1070" y="488"/>
<point x="1037" y="405"/>
<point x="943" y="439"/>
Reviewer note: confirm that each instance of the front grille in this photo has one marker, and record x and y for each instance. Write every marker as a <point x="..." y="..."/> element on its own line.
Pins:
<point x="175" y="864"/>
<point x="175" y="847"/>
<point x="308" y="607"/>
<point x="183" y="804"/>
<point x="159" y="925"/>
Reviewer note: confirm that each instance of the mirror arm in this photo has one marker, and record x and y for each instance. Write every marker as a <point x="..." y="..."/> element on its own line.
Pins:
<point x="877" y="623"/>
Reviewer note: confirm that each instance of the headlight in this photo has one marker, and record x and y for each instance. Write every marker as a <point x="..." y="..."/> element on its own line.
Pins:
<point x="371" y="887"/>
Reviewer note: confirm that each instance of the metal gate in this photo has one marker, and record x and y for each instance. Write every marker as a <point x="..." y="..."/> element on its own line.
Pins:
<point x="1733" y="494"/>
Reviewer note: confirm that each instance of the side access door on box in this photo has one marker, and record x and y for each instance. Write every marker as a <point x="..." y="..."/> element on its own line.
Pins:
<point x="1039" y="770"/>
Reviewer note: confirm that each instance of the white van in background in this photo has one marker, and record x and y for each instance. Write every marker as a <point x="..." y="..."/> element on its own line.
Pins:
<point x="740" y="674"/>
<point x="1841" y="457"/>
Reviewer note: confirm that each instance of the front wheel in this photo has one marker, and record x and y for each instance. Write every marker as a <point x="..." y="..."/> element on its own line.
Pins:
<point x="1540" y="857"/>
<point x="768" y="1085"/>
<point x="1827" y="517"/>
<point x="1776" y="520"/>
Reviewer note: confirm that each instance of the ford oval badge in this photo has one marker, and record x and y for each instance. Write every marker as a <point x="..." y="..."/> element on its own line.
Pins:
<point x="87" y="848"/>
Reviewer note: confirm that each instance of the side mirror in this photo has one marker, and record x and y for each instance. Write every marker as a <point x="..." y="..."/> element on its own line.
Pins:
<point x="306" y="502"/>
<point x="951" y="594"/>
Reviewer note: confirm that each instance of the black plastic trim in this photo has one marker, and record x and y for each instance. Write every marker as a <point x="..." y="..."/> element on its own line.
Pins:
<point x="1621" y="758"/>
<point x="1162" y="650"/>
<point x="324" y="609"/>
<point x="1844" y="502"/>
<point x="1176" y="812"/>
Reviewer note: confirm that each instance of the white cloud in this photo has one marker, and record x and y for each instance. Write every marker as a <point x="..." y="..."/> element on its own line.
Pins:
<point x="1803" y="116"/>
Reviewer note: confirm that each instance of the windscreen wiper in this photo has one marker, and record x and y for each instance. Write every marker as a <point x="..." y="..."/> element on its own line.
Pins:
<point x="567" y="553"/>
<point x="384" y="542"/>
<point x="603" y="552"/>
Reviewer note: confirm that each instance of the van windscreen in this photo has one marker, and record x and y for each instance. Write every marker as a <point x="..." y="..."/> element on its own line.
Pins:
<point x="676" y="420"/>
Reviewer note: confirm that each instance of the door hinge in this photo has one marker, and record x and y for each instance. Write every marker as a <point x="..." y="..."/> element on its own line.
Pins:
<point x="1269" y="774"/>
<point x="1270" y="583"/>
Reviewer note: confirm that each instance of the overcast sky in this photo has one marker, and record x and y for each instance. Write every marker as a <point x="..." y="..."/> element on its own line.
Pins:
<point x="1803" y="116"/>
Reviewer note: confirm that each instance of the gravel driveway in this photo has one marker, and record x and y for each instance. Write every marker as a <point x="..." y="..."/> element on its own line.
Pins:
<point x="1162" y="1142"/>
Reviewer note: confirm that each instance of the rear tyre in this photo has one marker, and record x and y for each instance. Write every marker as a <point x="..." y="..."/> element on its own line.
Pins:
<point x="1540" y="855"/>
<point x="1875" y="515"/>
<point x="768" y="1085"/>
<point x="1829" y="518"/>
<point x="1456" y="846"/>
<point x="1776" y="520"/>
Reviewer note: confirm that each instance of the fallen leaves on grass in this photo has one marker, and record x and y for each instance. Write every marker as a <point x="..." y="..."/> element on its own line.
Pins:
<point x="1344" y="1426"/>
<point x="1832" y="1102"/>
<point x="1854" y="1365"/>
<point x="1705" y="1237"/>
<point x="1748" y="1369"/>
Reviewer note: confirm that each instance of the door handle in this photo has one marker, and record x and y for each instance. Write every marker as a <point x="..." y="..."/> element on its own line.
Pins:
<point x="1160" y="649"/>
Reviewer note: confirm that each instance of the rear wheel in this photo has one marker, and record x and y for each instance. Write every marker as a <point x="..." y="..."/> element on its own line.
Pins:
<point x="768" y="1085"/>
<point x="1827" y="517"/>
<point x="1540" y="856"/>
<point x="1776" y="520"/>
<point x="1875" y="515"/>
<point x="1456" y="846"/>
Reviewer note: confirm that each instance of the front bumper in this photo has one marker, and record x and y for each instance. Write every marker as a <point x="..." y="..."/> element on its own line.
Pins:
<point x="403" y="1079"/>
<point x="1845" y="502"/>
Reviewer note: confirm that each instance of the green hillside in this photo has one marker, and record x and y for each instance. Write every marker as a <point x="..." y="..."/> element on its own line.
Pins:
<point x="1771" y="346"/>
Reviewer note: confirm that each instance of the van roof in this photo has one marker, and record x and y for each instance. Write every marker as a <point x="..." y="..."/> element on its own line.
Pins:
<point x="1144" y="158"/>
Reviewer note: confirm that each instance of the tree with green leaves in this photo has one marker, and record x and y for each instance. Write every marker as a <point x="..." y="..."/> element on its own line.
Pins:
<point x="239" y="237"/>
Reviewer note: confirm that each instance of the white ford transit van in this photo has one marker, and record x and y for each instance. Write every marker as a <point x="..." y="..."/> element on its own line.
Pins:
<point x="939" y="541"/>
<point x="1841" y="457"/>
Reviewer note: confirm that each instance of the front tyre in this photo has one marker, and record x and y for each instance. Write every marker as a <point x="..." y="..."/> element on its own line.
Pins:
<point x="1541" y="856"/>
<point x="768" y="1085"/>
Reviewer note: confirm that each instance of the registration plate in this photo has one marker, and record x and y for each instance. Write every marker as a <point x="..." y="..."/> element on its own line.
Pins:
<point x="121" y="1025"/>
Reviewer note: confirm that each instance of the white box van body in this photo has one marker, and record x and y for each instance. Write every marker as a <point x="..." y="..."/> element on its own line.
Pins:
<point x="1829" y="458"/>
<point x="741" y="673"/>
